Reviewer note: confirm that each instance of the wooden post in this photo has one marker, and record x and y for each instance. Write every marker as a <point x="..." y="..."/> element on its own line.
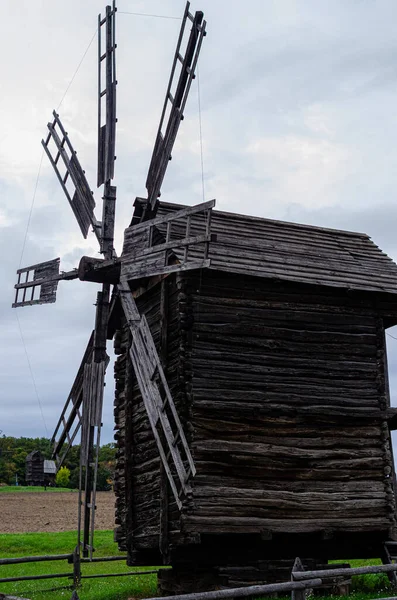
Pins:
<point x="387" y="560"/>
<point x="76" y="567"/>
<point x="297" y="594"/>
<point x="163" y="539"/>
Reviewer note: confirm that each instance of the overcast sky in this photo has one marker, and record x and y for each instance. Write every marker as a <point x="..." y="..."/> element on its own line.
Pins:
<point x="299" y="122"/>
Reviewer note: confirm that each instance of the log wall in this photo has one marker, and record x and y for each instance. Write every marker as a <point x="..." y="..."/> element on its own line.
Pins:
<point x="146" y="513"/>
<point x="282" y="390"/>
<point x="289" y="394"/>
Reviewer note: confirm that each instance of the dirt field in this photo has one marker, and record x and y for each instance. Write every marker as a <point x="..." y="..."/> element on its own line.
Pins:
<point x="33" y="512"/>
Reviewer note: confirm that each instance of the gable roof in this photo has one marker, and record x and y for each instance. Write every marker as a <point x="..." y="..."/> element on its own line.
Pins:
<point x="34" y="454"/>
<point x="288" y="251"/>
<point x="49" y="467"/>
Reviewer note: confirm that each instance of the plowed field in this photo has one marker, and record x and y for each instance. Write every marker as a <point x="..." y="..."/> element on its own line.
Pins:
<point x="53" y="511"/>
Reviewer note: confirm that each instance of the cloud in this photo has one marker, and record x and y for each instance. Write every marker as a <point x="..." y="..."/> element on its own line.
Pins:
<point x="298" y="121"/>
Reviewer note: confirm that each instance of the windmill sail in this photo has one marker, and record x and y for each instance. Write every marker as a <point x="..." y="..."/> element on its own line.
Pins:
<point x="38" y="283"/>
<point x="107" y="96"/>
<point x="82" y="201"/>
<point x="69" y="422"/>
<point x="174" y="104"/>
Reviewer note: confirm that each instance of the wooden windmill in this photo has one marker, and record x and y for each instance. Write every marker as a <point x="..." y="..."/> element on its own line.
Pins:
<point x="252" y="408"/>
<point x="37" y="284"/>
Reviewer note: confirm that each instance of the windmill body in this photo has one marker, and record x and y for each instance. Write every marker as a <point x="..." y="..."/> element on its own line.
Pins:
<point x="274" y="351"/>
<point x="252" y="407"/>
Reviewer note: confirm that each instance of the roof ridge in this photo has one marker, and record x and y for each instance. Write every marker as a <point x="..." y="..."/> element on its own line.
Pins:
<point x="347" y="232"/>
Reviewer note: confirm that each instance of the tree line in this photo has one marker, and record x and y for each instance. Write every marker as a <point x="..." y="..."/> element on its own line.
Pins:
<point x="13" y="453"/>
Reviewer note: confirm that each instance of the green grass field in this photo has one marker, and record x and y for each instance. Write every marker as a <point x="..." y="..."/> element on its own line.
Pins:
<point x="112" y="588"/>
<point x="16" y="489"/>
<point x="364" y="587"/>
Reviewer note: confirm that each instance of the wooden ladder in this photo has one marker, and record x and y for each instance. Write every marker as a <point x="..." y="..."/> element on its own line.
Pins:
<point x="159" y="404"/>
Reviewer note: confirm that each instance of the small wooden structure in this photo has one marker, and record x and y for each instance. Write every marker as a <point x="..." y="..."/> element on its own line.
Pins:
<point x="39" y="471"/>
<point x="275" y="354"/>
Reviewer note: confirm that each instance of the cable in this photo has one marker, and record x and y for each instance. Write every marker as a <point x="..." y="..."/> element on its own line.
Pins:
<point x="27" y="230"/>
<point x="124" y="12"/>
<point x="76" y="71"/>
<point x="31" y="373"/>
<point x="201" y="133"/>
<point x="31" y="209"/>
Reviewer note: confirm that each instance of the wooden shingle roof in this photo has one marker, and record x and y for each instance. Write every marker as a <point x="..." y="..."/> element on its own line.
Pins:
<point x="293" y="252"/>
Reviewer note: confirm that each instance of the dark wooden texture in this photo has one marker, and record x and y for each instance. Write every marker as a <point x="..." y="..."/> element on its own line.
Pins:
<point x="287" y="251"/>
<point x="149" y="249"/>
<point x="288" y="409"/>
<point x="282" y="391"/>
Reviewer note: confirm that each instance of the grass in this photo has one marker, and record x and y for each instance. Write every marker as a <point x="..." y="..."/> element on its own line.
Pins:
<point x="30" y="544"/>
<point x="16" y="489"/>
<point x="364" y="587"/>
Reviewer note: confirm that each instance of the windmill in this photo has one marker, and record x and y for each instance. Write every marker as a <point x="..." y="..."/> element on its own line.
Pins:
<point x="37" y="284"/>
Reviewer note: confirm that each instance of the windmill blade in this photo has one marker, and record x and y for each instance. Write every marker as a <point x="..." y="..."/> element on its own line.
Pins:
<point x="82" y="201"/>
<point x="40" y="283"/>
<point x="157" y="399"/>
<point x="107" y="96"/>
<point x="93" y="388"/>
<point x="83" y="410"/>
<point x="69" y="422"/>
<point x="174" y="105"/>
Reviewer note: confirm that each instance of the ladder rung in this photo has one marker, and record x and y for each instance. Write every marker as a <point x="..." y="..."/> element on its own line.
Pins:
<point x="171" y="99"/>
<point x="176" y="438"/>
<point x="102" y="57"/>
<point x="103" y="21"/>
<point x="66" y="177"/>
<point x="180" y="57"/>
<point x="164" y="404"/>
<point x="102" y="93"/>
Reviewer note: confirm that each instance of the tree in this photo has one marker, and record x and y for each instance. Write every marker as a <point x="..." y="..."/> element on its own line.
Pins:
<point x="62" y="477"/>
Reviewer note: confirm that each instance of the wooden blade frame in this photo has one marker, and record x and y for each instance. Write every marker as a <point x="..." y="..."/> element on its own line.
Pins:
<point x="40" y="283"/>
<point x="174" y="104"/>
<point x="82" y="202"/>
<point x="67" y="428"/>
<point x="93" y="387"/>
<point x="107" y="131"/>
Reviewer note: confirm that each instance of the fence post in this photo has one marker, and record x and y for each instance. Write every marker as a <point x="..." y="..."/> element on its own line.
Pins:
<point x="297" y="594"/>
<point x="76" y="567"/>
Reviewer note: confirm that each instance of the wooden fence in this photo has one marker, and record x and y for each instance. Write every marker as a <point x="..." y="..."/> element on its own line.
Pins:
<point x="73" y="559"/>
<point x="300" y="580"/>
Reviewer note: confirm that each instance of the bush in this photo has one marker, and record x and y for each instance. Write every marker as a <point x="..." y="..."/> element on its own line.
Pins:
<point x="62" y="477"/>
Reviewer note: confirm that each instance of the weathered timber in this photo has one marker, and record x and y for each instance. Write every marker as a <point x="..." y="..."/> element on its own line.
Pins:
<point x="99" y="270"/>
<point x="255" y="590"/>
<point x="274" y="353"/>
